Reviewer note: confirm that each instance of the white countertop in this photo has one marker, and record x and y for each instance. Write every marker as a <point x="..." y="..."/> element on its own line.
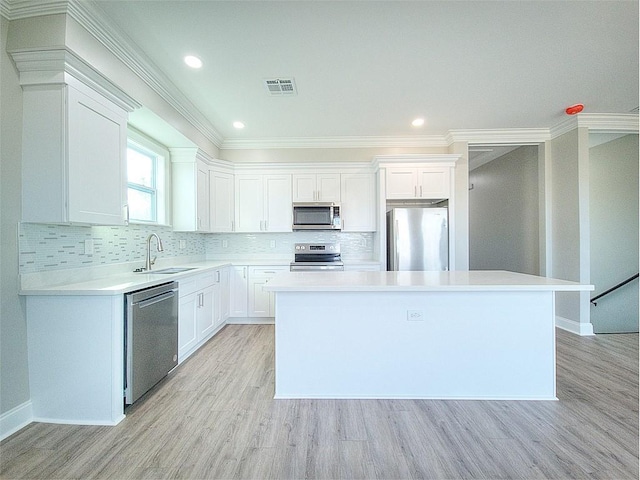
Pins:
<point x="463" y="281"/>
<point x="123" y="282"/>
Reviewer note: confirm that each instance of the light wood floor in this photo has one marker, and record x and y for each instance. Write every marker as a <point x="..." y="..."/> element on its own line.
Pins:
<point x="214" y="417"/>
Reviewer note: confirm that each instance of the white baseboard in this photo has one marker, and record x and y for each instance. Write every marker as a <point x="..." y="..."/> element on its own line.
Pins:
<point x="251" y="321"/>
<point x="582" y="329"/>
<point x="15" y="419"/>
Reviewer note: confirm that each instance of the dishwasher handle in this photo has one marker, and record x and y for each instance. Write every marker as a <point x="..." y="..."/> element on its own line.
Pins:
<point x="156" y="299"/>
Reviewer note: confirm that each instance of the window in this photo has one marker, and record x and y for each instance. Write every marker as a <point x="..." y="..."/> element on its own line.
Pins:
<point x="146" y="180"/>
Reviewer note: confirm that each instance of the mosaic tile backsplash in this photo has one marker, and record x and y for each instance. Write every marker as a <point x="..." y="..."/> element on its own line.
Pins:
<point x="55" y="247"/>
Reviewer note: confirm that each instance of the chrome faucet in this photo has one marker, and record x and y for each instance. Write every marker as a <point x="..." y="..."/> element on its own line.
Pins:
<point x="150" y="262"/>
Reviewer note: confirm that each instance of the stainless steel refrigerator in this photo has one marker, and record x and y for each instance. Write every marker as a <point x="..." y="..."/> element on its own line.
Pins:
<point x="417" y="239"/>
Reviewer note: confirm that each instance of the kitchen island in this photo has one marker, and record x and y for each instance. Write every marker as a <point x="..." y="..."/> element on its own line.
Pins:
<point x="441" y="335"/>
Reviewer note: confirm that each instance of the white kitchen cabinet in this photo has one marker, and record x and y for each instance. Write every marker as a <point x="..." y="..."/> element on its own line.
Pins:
<point x="221" y="203"/>
<point x="321" y="187"/>
<point x="239" y="291"/>
<point x="220" y="296"/>
<point x="261" y="302"/>
<point x="197" y="320"/>
<point x="190" y="190"/>
<point x="358" y="202"/>
<point x="74" y="157"/>
<point x="263" y="203"/>
<point x="225" y="293"/>
<point x="421" y="182"/>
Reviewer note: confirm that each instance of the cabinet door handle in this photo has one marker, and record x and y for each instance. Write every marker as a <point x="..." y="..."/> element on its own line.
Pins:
<point x="420" y="191"/>
<point x="266" y="226"/>
<point x="244" y="272"/>
<point x="233" y="225"/>
<point x="125" y="211"/>
<point x="415" y="191"/>
<point x="217" y="276"/>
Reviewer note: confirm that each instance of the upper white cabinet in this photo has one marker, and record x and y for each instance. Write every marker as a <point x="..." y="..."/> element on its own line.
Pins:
<point x="358" y="202"/>
<point x="221" y="204"/>
<point x="74" y="141"/>
<point x="322" y="187"/>
<point x="263" y="203"/>
<point x="418" y="182"/>
<point x="74" y="157"/>
<point x="190" y="190"/>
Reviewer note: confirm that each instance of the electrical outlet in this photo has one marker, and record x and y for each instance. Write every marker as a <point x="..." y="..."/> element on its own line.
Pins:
<point x="183" y="244"/>
<point x="225" y="243"/>
<point x="88" y="246"/>
<point x="272" y="244"/>
<point x="415" y="315"/>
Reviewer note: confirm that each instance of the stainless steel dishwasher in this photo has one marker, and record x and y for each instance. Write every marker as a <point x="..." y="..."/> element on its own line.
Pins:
<point x="151" y="338"/>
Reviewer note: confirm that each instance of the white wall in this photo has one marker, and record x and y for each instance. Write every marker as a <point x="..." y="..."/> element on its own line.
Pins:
<point x="569" y="223"/>
<point x="614" y="232"/>
<point x="461" y="206"/>
<point x="14" y="373"/>
<point x="503" y="213"/>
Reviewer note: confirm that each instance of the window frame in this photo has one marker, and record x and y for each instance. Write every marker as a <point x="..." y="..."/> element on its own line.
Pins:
<point x="161" y="189"/>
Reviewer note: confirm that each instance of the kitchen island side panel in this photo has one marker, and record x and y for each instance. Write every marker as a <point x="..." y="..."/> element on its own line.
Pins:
<point x="468" y="345"/>
<point x="76" y="358"/>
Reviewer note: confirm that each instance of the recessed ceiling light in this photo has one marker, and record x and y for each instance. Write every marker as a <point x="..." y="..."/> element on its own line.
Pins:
<point x="418" y="122"/>
<point x="193" y="62"/>
<point x="238" y="125"/>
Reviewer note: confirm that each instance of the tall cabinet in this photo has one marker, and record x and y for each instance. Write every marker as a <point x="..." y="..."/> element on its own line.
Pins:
<point x="74" y="142"/>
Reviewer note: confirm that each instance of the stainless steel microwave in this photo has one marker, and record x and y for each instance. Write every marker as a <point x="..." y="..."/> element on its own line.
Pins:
<point x="316" y="216"/>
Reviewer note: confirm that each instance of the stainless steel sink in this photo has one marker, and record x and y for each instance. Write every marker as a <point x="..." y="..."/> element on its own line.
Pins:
<point x="172" y="270"/>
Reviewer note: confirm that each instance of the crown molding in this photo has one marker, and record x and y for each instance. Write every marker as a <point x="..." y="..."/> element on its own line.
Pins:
<point x="598" y="123"/>
<point x="17" y="9"/>
<point x="335" y="142"/>
<point x="42" y="67"/>
<point x="521" y="136"/>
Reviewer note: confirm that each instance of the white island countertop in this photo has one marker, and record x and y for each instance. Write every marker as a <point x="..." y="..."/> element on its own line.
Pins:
<point x="462" y="281"/>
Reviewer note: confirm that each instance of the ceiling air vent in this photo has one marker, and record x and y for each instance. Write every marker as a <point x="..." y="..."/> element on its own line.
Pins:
<point x="280" y="86"/>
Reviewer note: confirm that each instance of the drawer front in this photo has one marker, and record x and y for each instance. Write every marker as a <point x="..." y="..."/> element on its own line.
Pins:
<point x="266" y="272"/>
<point x="206" y="279"/>
<point x="187" y="286"/>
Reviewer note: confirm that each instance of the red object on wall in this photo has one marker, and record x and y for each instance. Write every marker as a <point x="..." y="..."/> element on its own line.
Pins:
<point x="573" y="109"/>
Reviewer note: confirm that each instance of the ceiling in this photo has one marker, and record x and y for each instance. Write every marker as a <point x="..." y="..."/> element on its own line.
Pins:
<point x="366" y="69"/>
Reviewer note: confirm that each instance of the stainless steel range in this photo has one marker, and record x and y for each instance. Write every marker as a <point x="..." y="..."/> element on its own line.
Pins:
<point x="317" y="257"/>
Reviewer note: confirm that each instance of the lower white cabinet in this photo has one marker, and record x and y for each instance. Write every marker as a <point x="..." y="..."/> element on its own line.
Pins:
<point x="203" y="308"/>
<point x="239" y="291"/>
<point x="261" y="303"/>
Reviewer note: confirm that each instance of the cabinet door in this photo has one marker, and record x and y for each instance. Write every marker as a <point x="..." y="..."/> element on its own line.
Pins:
<point x="205" y="315"/>
<point x="221" y="194"/>
<point x="225" y="293"/>
<point x="278" y="210"/>
<point x="358" y="203"/>
<point x="328" y="186"/>
<point x="249" y="203"/>
<point x="434" y="182"/>
<point x="202" y="202"/>
<point x="259" y="299"/>
<point x="187" y="330"/>
<point x="239" y="291"/>
<point x="401" y="182"/>
<point x="304" y="187"/>
<point x="217" y="306"/>
<point x="97" y="139"/>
